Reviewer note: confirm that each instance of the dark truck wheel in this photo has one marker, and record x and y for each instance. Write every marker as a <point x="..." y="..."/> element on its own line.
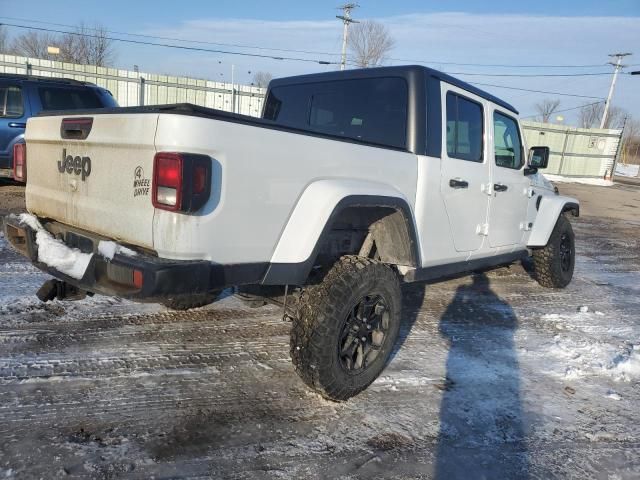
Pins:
<point x="186" y="302"/>
<point x="553" y="265"/>
<point x="344" y="328"/>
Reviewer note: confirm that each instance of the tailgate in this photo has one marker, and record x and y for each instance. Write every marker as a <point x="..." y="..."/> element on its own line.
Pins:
<point x="102" y="183"/>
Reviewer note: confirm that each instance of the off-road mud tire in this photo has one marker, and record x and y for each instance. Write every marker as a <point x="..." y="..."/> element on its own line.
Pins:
<point x="319" y="313"/>
<point x="548" y="266"/>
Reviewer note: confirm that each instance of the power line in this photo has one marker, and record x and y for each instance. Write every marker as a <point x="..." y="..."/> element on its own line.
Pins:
<point x="290" y="50"/>
<point x="530" y="90"/>
<point x="434" y="62"/>
<point x="176" y="39"/>
<point x="566" y="109"/>
<point x="180" y="47"/>
<point x="588" y="74"/>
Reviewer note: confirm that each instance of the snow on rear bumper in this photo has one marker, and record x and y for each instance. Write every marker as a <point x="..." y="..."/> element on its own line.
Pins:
<point x="161" y="278"/>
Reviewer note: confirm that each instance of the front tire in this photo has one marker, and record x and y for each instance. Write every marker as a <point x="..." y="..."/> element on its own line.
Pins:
<point x="344" y="328"/>
<point x="553" y="264"/>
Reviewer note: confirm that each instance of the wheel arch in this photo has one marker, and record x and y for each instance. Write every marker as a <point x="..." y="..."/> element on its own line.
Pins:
<point x="384" y="211"/>
<point x="550" y="208"/>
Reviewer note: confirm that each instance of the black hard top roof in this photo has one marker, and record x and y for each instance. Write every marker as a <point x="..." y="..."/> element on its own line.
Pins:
<point x="399" y="71"/>
<point x="39" y="79"/>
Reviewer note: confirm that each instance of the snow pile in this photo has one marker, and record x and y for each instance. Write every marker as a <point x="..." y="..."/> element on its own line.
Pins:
<point x="627" y="367"/>
<point x="70" y="261"/>
<point x="108" y="249"/>
<point x="585" y="346"/>
<point x="627" y="170"/>
<point x="54" y="253"/>
<point x="583" y="180"/>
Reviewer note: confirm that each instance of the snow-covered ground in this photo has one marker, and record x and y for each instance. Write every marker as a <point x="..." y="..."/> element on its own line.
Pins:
<point x="627" y="170"/>
<point x="582" y="180"/>
<point x="494" y="377"/>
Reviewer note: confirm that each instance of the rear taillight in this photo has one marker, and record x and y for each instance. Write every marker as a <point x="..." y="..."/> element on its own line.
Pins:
<point x="181" y="181"/>
<point x="20" y="162"/>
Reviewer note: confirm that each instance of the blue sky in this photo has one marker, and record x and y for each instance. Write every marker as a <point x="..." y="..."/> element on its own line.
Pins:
<point x="543" y="32"/>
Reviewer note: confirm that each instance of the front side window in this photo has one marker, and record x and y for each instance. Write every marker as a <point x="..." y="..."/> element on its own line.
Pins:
<point x="372" y="110"/>
<point x="464" y="128"/>
<point x="11" y="103"/>
<point x="508" y="147"/>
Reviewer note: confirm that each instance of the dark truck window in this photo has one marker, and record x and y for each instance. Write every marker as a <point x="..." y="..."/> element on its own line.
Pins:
<point x="464" y="128"/>
<point x="373" y="110"/>
<point x="11" y="105"/>
<point x="507" y="142"/>
<point x="59" y="98"/>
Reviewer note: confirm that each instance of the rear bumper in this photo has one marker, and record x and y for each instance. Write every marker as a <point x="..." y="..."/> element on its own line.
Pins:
<point x="161" y="278"/>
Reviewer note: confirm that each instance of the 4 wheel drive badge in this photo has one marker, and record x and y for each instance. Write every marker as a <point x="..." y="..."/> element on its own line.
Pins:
<point x="140" y="184"/>
<point x="74" y="165"/>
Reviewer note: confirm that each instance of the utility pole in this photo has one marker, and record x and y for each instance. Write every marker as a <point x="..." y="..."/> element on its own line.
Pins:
<point x="346" y="20"/>
<point x="618" y="66"/>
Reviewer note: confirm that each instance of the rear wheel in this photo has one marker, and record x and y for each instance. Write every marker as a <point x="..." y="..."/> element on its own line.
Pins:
<point x="344" y="328"/>
<point x="554" y="264"/>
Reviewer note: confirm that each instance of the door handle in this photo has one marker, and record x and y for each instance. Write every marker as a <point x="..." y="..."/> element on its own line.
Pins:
<point x="499" y="187"/>
<point x="17" y="125"/>
<point x="458" y="183"/>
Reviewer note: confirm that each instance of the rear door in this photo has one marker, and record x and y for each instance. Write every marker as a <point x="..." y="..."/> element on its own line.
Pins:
<point x="106" y="188"/>
<point x="509" y="202"/>
<point x="465" y="169"/>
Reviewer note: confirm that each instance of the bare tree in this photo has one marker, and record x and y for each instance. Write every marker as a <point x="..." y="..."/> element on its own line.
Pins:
<point x="615" y="117"/>
<point x="262" y="79"/>
<point x="631" y="140"/>
<point x="88" y="46"/>
<point x="545" y="109"/>
<point x="33" y="44"/>
<point x="591" y="114"/>
<point x="369" y="43"/>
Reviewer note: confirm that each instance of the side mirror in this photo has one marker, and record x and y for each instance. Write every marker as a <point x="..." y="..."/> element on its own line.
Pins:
<point x="538" y="157"/>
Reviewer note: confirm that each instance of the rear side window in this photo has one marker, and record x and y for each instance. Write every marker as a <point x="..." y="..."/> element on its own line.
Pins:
<point x="60" y="98"/>
<point x="373" y="110"/>
<point x="464" y="128"/>
<point x="507" y="141"/>
<point x="11" y="103"/>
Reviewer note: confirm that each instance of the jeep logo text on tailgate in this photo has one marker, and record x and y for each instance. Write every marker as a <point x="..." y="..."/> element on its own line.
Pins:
<point x="78" y="165"/>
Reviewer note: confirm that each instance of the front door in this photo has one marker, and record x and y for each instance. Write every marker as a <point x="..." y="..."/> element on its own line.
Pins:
<point x="465" y="171"/>
<point x="508" y="210"/>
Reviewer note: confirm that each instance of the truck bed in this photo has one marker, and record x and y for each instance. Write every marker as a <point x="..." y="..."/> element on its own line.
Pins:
<point x="191" y="110"/>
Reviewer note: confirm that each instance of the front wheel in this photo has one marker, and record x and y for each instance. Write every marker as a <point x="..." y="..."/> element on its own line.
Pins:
<point x="344" y="328"/>
<point x="554" y="263"/>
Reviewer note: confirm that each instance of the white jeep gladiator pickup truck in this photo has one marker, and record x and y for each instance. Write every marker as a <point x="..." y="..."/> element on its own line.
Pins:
<point x="350" y="183"/>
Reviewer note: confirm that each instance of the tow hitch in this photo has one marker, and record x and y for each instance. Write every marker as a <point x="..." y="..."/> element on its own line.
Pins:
<point x="61" y="290"/>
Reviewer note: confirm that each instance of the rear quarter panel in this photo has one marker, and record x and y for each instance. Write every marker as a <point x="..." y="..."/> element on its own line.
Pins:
<point x="258" y="176"/>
